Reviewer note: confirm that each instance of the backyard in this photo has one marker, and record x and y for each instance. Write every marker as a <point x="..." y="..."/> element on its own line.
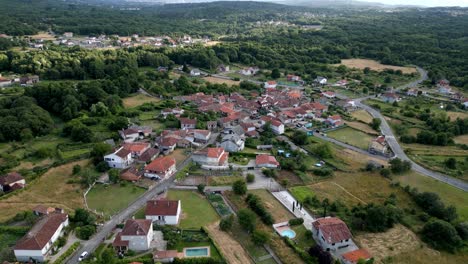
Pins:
<point x="110" y="199"/>
<point x="351" y="136"/>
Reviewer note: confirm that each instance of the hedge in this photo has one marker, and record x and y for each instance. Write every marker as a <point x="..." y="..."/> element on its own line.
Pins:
<point x="296" y="221"/>
<point x="302" y="253"/>
<point x="67" y="253"/>
<point x="17" y="230"/>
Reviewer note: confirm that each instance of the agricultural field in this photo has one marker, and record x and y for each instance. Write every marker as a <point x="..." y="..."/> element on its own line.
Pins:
<point x="362" y="115"/>
<point x="277" y="210"/>
<point x="138" y="99"/>
<point x="217" y="80"/>
<point x="192" y="204"/>
<point x="362" y="127"/>
<point x="461" y="139"/>
<point x="351" y="136"/>
<point x="64" y="195"/>
<point x="374" y="65"/>
<point x="110" y="199"/>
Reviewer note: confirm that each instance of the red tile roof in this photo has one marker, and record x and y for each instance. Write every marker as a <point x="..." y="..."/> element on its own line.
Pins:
<point x="214" y="152"/>
<point x="41" y="232"/>
<point x="333" y="229"/>
<point x="148" y="154"/>
<point x="161" y="164"/>
<point x="136" y="227"/>
<point x="123" y="153"/>
<point x="118" y="242"/>
<point x="266" y="159"/>
<point x="188" y="121"/>
<point x="162" y="207"/>
<point x="356" y="255"/>
<point x="335" y="117"/>
<point x="136" y="146"/>
<point x="10" y="178"/>
<point x="169" y="141"/>
<point x="271" y="82"/>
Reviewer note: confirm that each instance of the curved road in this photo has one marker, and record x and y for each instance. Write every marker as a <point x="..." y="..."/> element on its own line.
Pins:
<point x="387" y="131"/>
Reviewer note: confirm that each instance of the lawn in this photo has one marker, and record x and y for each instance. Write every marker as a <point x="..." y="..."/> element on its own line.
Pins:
<point x="137" y="100"/>
<point x="196" y="210"/>
<point x="301" y="240"/>
<point x="362" y="115"/>
<point x="110" y="199"/>
<point x="223" y="180"/>
<point x="277" y="209"/>
<point x="449" y="194"/>
<point x="437" y="163"/>
<point x="301" y="192"/>
<point x="51" y="189"/>
<point x="351" y="136"/>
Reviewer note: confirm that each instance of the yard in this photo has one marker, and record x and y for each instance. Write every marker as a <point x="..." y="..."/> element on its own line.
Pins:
<point x="110" y="199"/>
<point x="362" y="115"/>
<point x="223" y="180"/>
<point x="138" y="99"/>
<point x="351" y="136"/>
<point x="196" y="210"/>
<point x="51" y="189"/>
<point x="277" y="209"/>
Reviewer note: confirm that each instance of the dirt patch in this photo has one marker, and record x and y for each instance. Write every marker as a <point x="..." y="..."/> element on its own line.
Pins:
<point x="232" y="251"/>
<point x="362" y="115"/>
<point x="212" y="43"/>
<point x="374" y="65"/>
<point x="137" y="100"/>
<point x="362" y="127"/>
<point x="292" y="178"/>
<point x="454" y="115"/>
<point x="395" y="241"/>
<point x="461" y="139"/>
<point x="217" y="80"/>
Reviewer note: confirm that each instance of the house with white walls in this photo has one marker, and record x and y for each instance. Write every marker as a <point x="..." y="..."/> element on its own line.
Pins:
<point x="120" y="159"/>
<point x="163" y="212"/>
<point x="136" y="235"/>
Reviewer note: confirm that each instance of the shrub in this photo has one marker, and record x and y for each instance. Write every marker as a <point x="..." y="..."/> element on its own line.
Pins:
<point x="260" y="237"/>
<point x="441" y="235"/>
<point x="296" y="221"/>
<point x="239" y="187"/>
<point x="256" y="205"/>
<point x="226" y="223"/>
<point x="250" y="178"/>
<point x="246" y="219"/>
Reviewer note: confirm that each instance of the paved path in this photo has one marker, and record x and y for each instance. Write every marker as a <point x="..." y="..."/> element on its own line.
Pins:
<point x="286" y="199"/>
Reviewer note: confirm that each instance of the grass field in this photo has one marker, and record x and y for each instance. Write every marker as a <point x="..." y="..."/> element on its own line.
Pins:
<point x="50" y="189"/>
<point x="362" y="127"/>
<point x="217" y="80"/>
<point x="362" y="115"/>
<point x="110" y="199"/>
<point x="351" y="136"/>
<point x="374" y="65"/>
<point x="138" y="99"/>
<point x="277" y="210"/>
<point x="461" y="139"/>
<point x="223" y="180"/>
<point x="196" y="210"/>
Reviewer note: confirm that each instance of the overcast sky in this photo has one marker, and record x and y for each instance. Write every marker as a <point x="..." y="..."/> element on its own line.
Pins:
<point x="423" y="2"/>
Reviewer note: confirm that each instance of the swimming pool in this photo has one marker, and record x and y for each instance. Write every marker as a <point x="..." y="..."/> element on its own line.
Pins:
<point x="197" y="252"/>
<point x="288" y="233"/>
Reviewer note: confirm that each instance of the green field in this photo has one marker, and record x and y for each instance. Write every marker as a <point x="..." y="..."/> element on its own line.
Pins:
<point x="351" y="136"/>
<point x="301" y="192"/>
<point x="110" y="199"/>
<point x="196" y="210"/>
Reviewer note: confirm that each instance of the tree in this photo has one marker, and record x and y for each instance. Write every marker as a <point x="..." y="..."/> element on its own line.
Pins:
<point x="325" y="204"/>
<point x="367" y="70"/>
<point x="385" y="172"/>
<point x="85" y="232"/>
<point x="375" y="124"/>
<point x="108" y="256"/>
<point x="323" y="150"/>
<point x="246" y="219"/>
<point x="201" y="188"/>
<point x="250" y="178"/>
<point x="239" y="187"/>
<point x="99" y="150"/>
<point x="114" y="175"/>
<point x="260" y="237"/>
<point x="399" y="166"/>
<point x="299" y="137"/>
<point x="76" y="169"/>
<point x="226" y="223"/>
<point x="451" y="163"/>
<point x="275" y="74"/>
<point x="82" y="217"/>
<point x="441" y="235"/>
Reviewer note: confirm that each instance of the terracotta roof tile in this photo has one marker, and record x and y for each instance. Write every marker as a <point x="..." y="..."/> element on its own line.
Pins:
<point x="136" y="227"/>
<point x="162" y="207"/>
<point x="41" y="232"/>
<point x="161" y="164"/>
<point x="333" y="229"/>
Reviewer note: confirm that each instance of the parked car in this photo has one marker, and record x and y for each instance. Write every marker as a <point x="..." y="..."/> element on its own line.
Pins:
<point x="83" y="256"/>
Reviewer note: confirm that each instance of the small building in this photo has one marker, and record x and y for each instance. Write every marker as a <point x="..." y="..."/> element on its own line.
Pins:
<point x="4" y="82"/>
<point x="134" y="133"/>
<point x="412" y="92"/>
<point x="445" y="90"/>
<point x="353" y="257"/>
<point x="276" y="126"/>
<point x="29" y="80"/>
<point x="223" y="68"/>
<point x="293" y="78"/>
<point x="168" y="143"/>
<point x="163" y="212"/>
<point x="378" y="145"/>
<point x="136" y="235"/>
<point x="187" y="123"/>
<point x="211" y="157"/>
<point x="195" y="72"/>
<point x="334" y="121"/>
<point x="149" y="155"/>
<point x="270" y="85"/>
<point x="165" y="256"/>
<point x="249" y="71"/>
<point x="131" y="175"/>
<point x="202" y="136"/>
<point x="266" y="161"/>
<point x="320" y="80"/>
<point x="137" y="148"/>
<point x="120" y="159"/>
<point x="175" y="111"/>
<point x="35" y="245"/>
<point x="390" y="97"/>
<point x="346" y="104"/>
<point x="331" y="233"/>
<point x="232" y="143"/>
<point x="211" y="125"/>
<point x="160" y="168"/>
<point x="329" y="94"/>
<point x="68" y="34"/>
<point x="12" y="181"/>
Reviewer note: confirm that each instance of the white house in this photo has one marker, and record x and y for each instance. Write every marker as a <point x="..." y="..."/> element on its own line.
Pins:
<point x="163" y="212"/>
<point x="195" y="72"/>
<point x="249" y="71"/>
<point x="120" y="159"/>
<point x="390" y="97"/>
<point x="321" y="80"/>
<point x="135" y="132"/>
<point x="201" y="135"/>
<point x="329" y="94"/>
<point x="136" y="235"/>
<point x="38" y="241"/>
<point x="276" y="126"/>
<point x="266" y="161"/>
<point x="162" y="167"/>
<point x="12" y="181"/>
<point x="331" y="233"/>
<point x="232" y="143"/>
<point x="211" y="157"/>
<point x="270" y="85"/>
<point x="334" y="121"/>
<point x="187" y="123"/>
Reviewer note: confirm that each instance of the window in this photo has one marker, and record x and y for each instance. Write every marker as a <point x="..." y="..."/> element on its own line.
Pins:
<point x="333" y="244"/>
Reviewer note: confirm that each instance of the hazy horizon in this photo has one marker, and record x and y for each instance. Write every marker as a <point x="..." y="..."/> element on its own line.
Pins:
<point x="428" y="3"/>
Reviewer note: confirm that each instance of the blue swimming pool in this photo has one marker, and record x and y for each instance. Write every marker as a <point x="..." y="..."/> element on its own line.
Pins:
<point x="197" y="252"/>
<point x="288" y="233"/>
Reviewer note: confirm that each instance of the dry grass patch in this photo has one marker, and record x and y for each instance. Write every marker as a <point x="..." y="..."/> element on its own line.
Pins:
<point x="232" y="251"/>
<point x="277" y="210"/>
<point x="50" y="189"/>
<point x="461" y="139"/>
<point x="415" y="149"/>
<point x="43" y="35"/>
<point x="137" y="100"/>
<point x="356" y="160"/>
<point x="179" y="155"/>
<point x="217" y="80"/>
<point x="362" y="127"/>
<point x="424" y="255"/>
<point x="362" y="115"/>
<point x="454" y="115"/>
<point x="211" y="43"/>
<point x="374" y="65"/>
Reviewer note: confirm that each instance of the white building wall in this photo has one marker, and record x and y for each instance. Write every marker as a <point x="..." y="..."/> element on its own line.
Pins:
<point x="26" y="255"/>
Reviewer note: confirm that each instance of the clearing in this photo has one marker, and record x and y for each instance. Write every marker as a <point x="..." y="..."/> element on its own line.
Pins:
<point x="64" y="195"/>
<point x="374" y="65"/>
<point x="217" y="80"/>
<point x="232" y="251"/>
<point x="43" y="35"/>
<point x="351" y="136"/>
<point x="211" y="43"/>
<point x="110" y="199"/>
<point x="454" y="115"/>
<point x="277" y="210"/>
<point x="362" y="115"/>
<point x="461" y="139"/>
<point x="138" y="99"/>
<point x="196" y="210"/>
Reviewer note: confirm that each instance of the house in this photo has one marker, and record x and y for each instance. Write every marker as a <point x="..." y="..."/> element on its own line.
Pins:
<point x="353" y="257"/>
<point x="320" y="80"/>
<point x="329" y="94"/>
<point x="29" y="80"/>
<point x="175" y="111"/>
<point x="68" y="34"/>
<point x="202" y="136"/>
<point x="293" y="78"/>
<point x="334" y="121"/>
<point x="266" y="161"/>
<point x="331" y="233"/>
<point x="148" y="155"/>
<point x="187" y="123"/>
<point x="161" y="168"/>
<point x="346" y="104"/>
<point x="163" y="212"/>
<point x="4" y="82"/>
<point x="211" y="125"/>
<point x="12" y="181"/>
<point x="131" y="175"/>
<point x="41" y="210"/>
<point x="276" y="126"/>
<point x="445" y="90"/>
<point x="412" y="92"/>
<point x="136" y="235"/>
<point x="35" y="245"/>
<point x="195" y="72"/>
<point x="134" y="133"/>
<point x="137" y="148"/>
<point x="465" y="103"/>
<point x="168" y="143"/>
<point x="232" y="143"/>
<point x="165" y="256"/>
<point x="120" y="159"/>
<point x="238" y="130"/>
<point x="270" y="85"/>
<point x="390" y="97"/>
<point x="223" y="68"/>
<point x="378" y="145"/>
<point x="211" y="157"/>
<point x="249" y="71"/>
<point x="341" y="83"/>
